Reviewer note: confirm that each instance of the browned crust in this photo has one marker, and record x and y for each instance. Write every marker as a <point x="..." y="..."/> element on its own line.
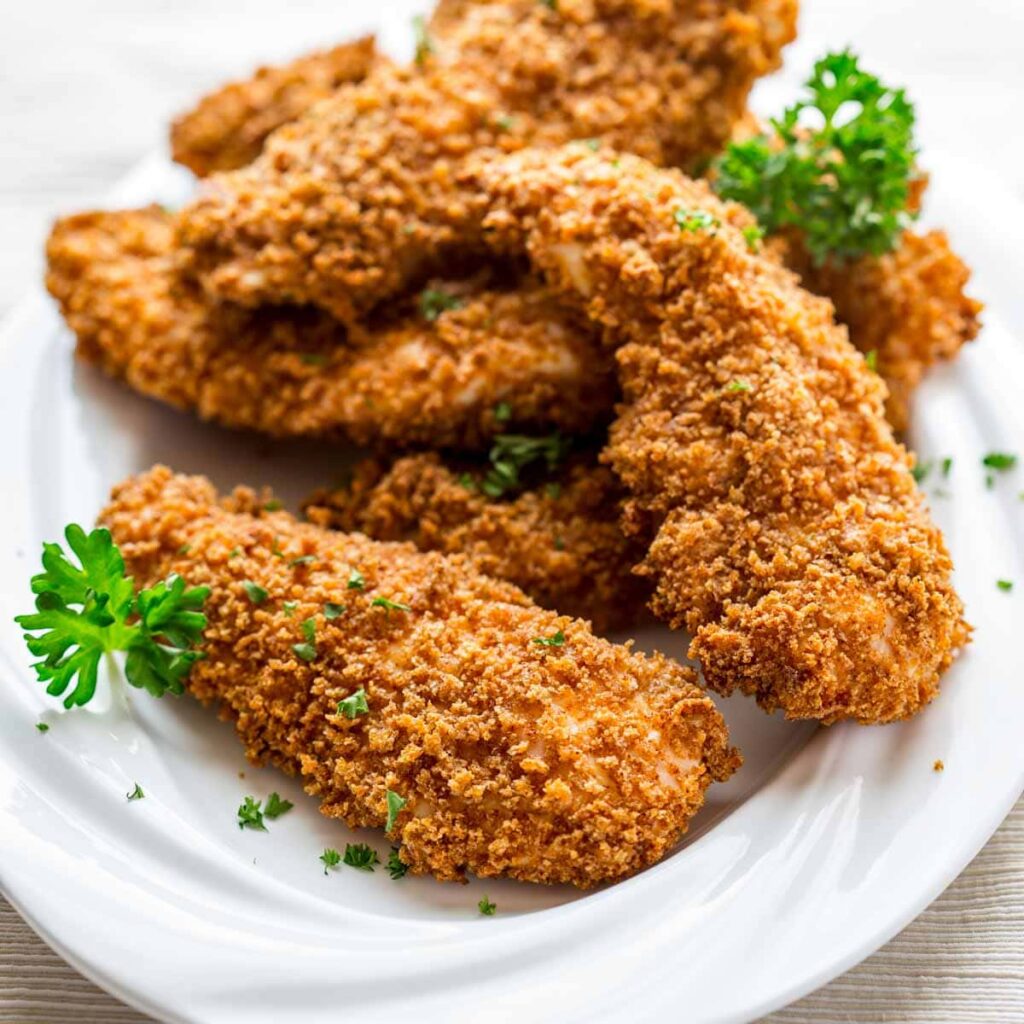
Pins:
<point x="228" y="127"/>
<point x="296" y="373"/>
<point x="560" y="542"/>
<point x="348" y="204"/>
<point x="574" y="764"/>
<point x="793" y="541"/>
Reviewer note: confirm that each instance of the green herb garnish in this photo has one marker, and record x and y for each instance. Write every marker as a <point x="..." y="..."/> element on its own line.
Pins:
<point x="503" y="412"/>
<point x="555" y="640"/>
<point x="330" y="859"/>
<point x="1001" y="461"/>
<point x="424" y="44"/>
<point x="837" y="166"/>
<point x="250" y="815"/>
<point x="42" y="727"/>
<point x="288" y="607"/>
<point x="486" y="907"/>
<point x="1005" y="585"/>
<point x="921" y="470"/>
<point x="354" y="704"/>
<point x="302" y="560"/>
<point x="307" y="649"/>
<point x="695" y="220"/>
<point x="276" y="806"/>
<point x="356" y="580"/>
<point x="332" y="610"/>
<point x="83" y="613"/>
<point x="511" y="453"/>
<point x="753" y="235"/>
<point x="135" y="794"/>
<point x="871" y="360"/>
<point x="395" y="805"/>
<point x="737" y="385"/>
<point x="434" y="302"/>
<point x="253" y="591"/>
<point x="361" y="856"/>
<point x="389" y="606"/>
<point x="397" y="868"/>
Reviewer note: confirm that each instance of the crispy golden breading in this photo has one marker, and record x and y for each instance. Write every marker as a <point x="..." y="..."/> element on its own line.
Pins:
<point x="560" y="543"/>
<point x="793" y="542"/>
<point x="227" y="129"/>
<point x="295" y="372"/>
<point x="350" y="203"/>
<point x="909" y="307"/>
<point x="578" y="763"/>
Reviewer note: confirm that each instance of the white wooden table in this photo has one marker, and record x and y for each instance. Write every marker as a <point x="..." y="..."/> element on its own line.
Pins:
<point x="86" y="89"/>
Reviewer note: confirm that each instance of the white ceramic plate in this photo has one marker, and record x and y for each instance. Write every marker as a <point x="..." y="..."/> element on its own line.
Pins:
<point x="824" y="845"/>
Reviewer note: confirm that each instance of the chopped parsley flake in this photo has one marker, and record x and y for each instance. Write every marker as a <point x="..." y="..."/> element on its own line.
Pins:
<point x="871" y="359"/>
<point x="276" y="806"/>
<point x="250" y="815"/>
<point x="272" y="506"/>
<point x="302" y="560"/>
<point x="184" y="549"/>
<point x="486" y="907"/>
<point x="389" y="606"/>
<point x="555" y="640"/>
<point x="360" y="856"/>
<point x="253" y="591"/>
<point x="503" y="412"/>
<point x="397" y="868"/>
<point x="512" y="453"/>
<point x="135" y="794"/>
<point x="1005" y="585"/>
<point x="395" y="805"/>
<point x="288" y="607"/>
<point x="356" y="580"/>
<point x="434" y="302"/>
<point x="695" y="220"/>
<point x="466" y="480"/>
<point x="592" y="144"/>
<point x="1001" y="461"/>
<point x="553" y="490"/>
<point x="503" y="122"/>
<point x="234" y="553"/>
<point x="307" y="650"/>
<point x="738" y="385"/>
<point x="313" y="359"/>
<point x="424" y="45"/>
<point x="354" y="704"/>
<point x="921" y="470"/>
<point x="42" y="727"/>
<point x="753" y="235"/>
<point x="559" y="544"/>
<point x="332" y="610"/>
<point x="330" y="859"/>
<point x="947" y="465"/>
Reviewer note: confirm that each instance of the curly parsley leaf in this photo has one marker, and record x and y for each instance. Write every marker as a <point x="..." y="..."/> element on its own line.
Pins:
<point x="250" y="815"/>
<point x="837" y="166"/>
<point x="486" y="907"/>
<point x="276" y="806"/>
<point x="87" y="610"/>
<point x="361" y="856"/>
<point x="330" y="859"/>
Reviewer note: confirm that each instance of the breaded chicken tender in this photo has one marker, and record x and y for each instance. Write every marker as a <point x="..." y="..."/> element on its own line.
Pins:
<point x="227" y="129"/>
<point x="570" y="761"/>
<point x="909" y="307"/>
<point x="355" y="200"/>
<point x="791" y="538"/>
<point x="293" y="372"/>
<point x="561" y="542"/>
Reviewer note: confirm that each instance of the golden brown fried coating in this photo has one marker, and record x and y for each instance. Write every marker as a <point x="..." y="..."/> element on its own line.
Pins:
<point x="348" y="204"/>
<point x="909" y="307"/>
<point x="297" y="373"/>
<point x="561" y="543"/>
<point x="578" y="763"/>
<point x="227" y="128"/>
<point x="793" y="542"/>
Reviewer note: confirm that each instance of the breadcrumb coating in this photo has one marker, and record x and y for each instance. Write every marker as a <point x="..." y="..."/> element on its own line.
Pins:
<point x="227" y="128"/>
<point x="561" y="542"/>
<point x="297" y="373"/>
<point x="354" y="200"/>
<point x="791" y="538"/>
<point x="909" y="307"/>
<point x="579" y="763"/>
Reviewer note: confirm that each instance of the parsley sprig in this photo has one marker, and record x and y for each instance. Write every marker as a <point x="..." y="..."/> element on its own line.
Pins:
<point x="837" y="165"/>
<point x="91" y="609"/>
<point x="434" y="302"/>
<point x="512" y="453"/>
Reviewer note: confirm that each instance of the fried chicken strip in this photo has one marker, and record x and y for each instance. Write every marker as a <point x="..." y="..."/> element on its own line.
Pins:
<point x="791" y="539"/>
<point x="297" y="373"/>
<point x="227" y="128"/>
<point x="909" y="307"/>
<point x="577" y="763"/>
<point x="561" y="543"/>
<point x="350" y="203"/>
